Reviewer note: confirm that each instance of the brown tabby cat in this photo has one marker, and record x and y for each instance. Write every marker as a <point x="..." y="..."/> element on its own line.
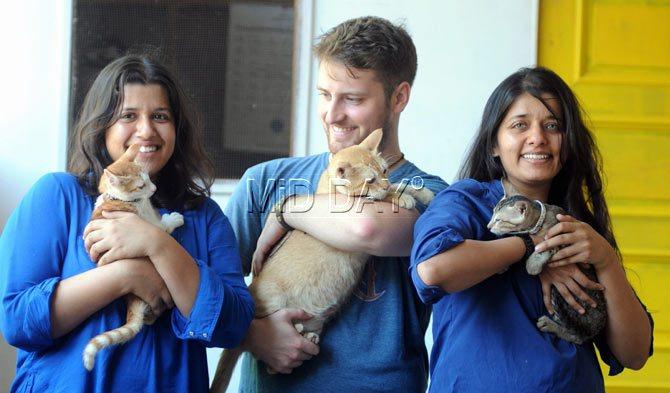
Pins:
<point x="518" y="215"/>
<point x="125" y="186"/>
<point x="304" y="273"/>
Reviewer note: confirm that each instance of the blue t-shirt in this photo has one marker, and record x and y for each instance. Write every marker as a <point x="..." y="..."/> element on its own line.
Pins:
<point x="485" y="337"/>
<point x="376" y="342"/>
<point x="42" y="244"/>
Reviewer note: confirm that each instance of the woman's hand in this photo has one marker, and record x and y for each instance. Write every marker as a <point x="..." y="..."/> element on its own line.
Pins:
<point x="120" y="235"/>
<point x="142" y="280"/>
<point x="570" y="281"/>
<point x="580" y="243"/>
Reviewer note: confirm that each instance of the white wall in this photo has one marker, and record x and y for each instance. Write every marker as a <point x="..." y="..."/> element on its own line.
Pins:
<point x="464" y="48"/>
<point x="35" y="73"/>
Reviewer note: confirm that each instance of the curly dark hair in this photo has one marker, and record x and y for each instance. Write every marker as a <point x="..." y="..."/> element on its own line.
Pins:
<point x="578" y="186"/>
<point x="371" y="43"/>
<point x="185" y="180"/>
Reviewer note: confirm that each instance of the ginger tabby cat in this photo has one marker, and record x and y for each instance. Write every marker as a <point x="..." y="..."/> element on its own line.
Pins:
<point x="125" y="186"/>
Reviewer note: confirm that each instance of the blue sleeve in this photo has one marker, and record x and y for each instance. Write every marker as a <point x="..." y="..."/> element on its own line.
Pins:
<point x="433" y="183"/>
<point x="32" y="248"/>
<point x="451" y="217"/>
<point x="244" y="210"/>
<point x="223" y="306"/>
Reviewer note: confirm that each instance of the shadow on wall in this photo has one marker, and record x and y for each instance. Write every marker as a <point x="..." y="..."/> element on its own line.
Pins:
<point x="7" y="365"/>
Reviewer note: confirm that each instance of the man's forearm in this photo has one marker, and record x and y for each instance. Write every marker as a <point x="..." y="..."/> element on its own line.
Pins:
<point x="353" y="224"/>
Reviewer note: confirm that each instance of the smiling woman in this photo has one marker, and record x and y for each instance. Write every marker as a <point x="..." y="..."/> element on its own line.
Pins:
<point x="145" y="119"/>
<point x="532" y="141"/>
<point x="63" y="278"/>
<point x="528" y="144"/>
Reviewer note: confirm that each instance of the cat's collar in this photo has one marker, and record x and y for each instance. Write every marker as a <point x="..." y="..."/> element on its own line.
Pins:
<point x="540" y="220"/>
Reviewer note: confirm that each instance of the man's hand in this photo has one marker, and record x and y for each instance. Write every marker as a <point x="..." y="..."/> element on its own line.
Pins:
<point x="275" y="341"/>
<point x="272" y="232"/>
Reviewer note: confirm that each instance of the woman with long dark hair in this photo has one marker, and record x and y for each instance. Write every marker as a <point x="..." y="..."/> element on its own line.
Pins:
<point x="55" y="298"/>
<point x="532" y="141"/>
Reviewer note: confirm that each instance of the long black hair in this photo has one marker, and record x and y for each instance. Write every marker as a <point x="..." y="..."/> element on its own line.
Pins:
<point x="578" y="186"/>
<point x="185" y="180"/>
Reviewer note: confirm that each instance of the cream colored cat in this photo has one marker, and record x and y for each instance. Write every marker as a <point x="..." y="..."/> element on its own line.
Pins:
<point x="304" y="273"/>
<point x="125" y="186"/>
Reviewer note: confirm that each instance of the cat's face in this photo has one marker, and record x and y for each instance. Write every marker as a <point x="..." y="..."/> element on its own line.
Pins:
<point x="126" y="181"/>
<point x="146" y="119"/>
<point x="511" y="215"/>
<point x="360" y="170"/>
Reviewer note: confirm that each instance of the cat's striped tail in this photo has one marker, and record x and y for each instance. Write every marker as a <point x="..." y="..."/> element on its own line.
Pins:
<point x="120" y="335"/>
<point x="224" y="370"/>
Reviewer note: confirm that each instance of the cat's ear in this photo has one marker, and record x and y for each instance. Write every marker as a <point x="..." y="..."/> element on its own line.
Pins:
<point x="112" y="178"/>
<point x="131" y="153"/>
<point x="373" y="140"/>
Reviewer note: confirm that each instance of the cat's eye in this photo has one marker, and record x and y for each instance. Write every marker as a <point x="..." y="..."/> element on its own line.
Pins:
<point x="371" y="180"/>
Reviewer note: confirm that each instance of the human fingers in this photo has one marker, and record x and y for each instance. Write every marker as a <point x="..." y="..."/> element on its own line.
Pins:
<point x="585" y="282"/>
<point x="93" y="226"/>
<point x="111" y="255"/>
<point x="98" y="249"/>
<point x="579" y="258"/>
<point x="546" y="290"/>
<point x="92" y="237"/>
<point x="257" y="261"/>
<point x="555" y="241"/>
<point x="568" y="297"/>
<point x="295" y="364"/>
<point x="567" y="252"/>
<point x="295" y="314"/>
<point x="308" y="349"/>
<point x="561" y="227"/>
<point x="566" y="218"/>
<point x="577" y="290"/>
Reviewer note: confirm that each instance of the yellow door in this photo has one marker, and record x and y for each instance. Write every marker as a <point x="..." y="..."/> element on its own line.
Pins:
<point x="615" y="54"/>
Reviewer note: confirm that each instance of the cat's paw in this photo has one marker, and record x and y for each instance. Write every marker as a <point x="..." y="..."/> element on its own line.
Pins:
<point x="536" y="262"/>
<point x="313" y="337"/>
<point x="172" y="221"/>
<point x="545" y="324"/>
<point x="406" y="201"/>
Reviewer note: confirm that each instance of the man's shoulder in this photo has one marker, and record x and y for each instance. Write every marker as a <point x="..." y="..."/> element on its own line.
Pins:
<point x="288" y="167"/>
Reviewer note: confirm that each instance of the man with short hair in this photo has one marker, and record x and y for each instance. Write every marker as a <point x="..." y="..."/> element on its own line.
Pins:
<point x="376" y="342"/>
